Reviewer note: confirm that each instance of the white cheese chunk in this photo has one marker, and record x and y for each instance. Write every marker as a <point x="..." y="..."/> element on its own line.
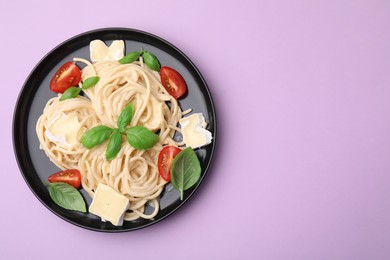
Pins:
<point x="193" y="129"/>
<point x="109" y="205"/>
<point x="65" y="130"/>
<point x="99" y="51"/>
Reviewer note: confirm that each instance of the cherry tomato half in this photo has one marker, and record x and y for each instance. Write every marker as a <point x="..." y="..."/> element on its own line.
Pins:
<point x="71" y="177"/>
<point x="164" y="162"/>
<point x="173" y="82"/>
<point x="68" y="75"/>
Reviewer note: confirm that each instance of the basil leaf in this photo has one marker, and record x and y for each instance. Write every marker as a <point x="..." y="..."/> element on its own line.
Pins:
<point x="71" y="92"/>
<point x="90" y="82"/>
<point x="66" y="196"/>
<point x="95" y="136"/>
<point x="114" y="146"/>
<point x="140" y="137"/>
<point x="151" y="61"/>
<point x="185" y="170"/>
<point x="125" y="117"/>
<point x="129" y="58"/>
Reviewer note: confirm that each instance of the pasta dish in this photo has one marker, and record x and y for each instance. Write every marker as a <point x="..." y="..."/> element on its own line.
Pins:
<point x="133" y="173"/>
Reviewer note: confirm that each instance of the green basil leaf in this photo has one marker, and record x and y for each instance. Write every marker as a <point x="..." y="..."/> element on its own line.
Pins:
<point x="95" y="136"/>
<point x="151" y="61"/>
<point x="185" y="170"/>
<point x="114" y="146"/>
<point x="66" y="196"/>
<point x="71" y="92"/>
<point x="131" y="57"/>
<point x="140" y="137"/>
<point x="90" y="82"/>
<point x="125" y="117"/>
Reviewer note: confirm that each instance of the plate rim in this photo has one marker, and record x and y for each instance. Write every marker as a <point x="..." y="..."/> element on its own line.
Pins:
<point x="24" y="91"/>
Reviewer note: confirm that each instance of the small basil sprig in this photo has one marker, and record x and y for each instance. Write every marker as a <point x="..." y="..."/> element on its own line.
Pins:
<point x="185" y="170"/>
<point x="131" y="57"/>
<point x="151" y="61"/>
<point x="114" y="146"/>
<point x="73" y="92"/>
<point x="125" y="117"/>
<point x="90" y="82"/>
<point x="139" y="137"/>
<point x="95" y="136"/>
<point x="149" y="58"/>
<point x="66" y="196"/>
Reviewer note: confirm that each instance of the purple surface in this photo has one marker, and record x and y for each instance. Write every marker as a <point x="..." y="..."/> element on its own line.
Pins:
<point x="302" y="93"/>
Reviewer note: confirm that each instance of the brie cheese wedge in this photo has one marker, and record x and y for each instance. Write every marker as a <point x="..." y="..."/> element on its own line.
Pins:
<point x="99" y="51"/>
<point x="65" y="130"/>
<point x="193" y="129"/>
<point x="109" y="205"/>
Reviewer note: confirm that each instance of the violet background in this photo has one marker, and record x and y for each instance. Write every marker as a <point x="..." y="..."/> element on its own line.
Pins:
<point x="301" y="89"/>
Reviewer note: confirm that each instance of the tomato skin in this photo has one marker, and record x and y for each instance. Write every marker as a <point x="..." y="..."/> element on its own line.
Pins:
<point x="164" y="162"/>
<point x="173" y="82"/>
<point x="71" y="177"/>
<point x="68" y="75"/>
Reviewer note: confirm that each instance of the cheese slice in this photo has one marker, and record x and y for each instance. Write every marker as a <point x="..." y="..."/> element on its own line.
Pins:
<point x="99" y="51"/>
<point x="109" y="205"/>
<point x="193" y="129"/>
<point x="65" y="130"/>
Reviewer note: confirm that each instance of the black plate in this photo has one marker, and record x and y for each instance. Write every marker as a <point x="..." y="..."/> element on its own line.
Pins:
<point x="35" y="165"/>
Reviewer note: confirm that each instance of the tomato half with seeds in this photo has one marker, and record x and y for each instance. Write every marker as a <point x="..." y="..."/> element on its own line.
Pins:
<point x="71" y="177"/>
<point x="68" y="75"/>
<point x="173" y="82"/>
<point x="164" y="162"/>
